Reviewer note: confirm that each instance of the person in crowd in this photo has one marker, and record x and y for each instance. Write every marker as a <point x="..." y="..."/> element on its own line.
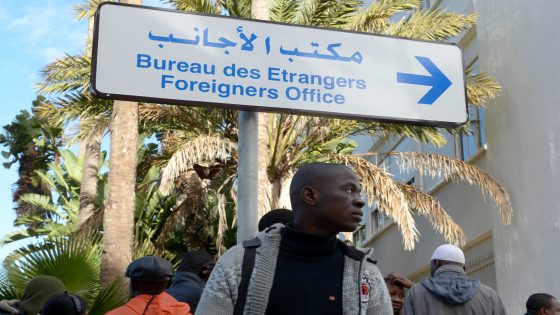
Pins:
<point x="191" y="276"/>
<point x="542" y="304"/>
<point x="65" y="304"/>
<point x="149" y="277"/>
<point x="449" y="290"/>
<point x="303" y="268"/>
<point x="284" y="216"/>
<point x="396" y="285"/>
<point x="37" y="291"/>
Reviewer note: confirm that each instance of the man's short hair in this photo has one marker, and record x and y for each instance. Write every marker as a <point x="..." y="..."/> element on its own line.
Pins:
<point x="283" y="216"/>
<point x="309" y="175"/>
<point x="194" y="261"/>
<point x="537" y="301"/>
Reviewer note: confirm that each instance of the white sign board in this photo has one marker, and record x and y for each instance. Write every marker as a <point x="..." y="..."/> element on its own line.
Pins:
<point x="157" y="55"/>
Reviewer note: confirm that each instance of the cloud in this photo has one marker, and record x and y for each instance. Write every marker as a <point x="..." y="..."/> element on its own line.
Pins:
<point x="46" y="29"/>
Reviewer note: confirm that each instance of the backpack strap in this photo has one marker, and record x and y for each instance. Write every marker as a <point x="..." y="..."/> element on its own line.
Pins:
<point x="246" y="271"/>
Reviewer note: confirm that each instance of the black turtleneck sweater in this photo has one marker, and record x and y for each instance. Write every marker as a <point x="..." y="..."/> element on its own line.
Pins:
<point x="308" y="278"/>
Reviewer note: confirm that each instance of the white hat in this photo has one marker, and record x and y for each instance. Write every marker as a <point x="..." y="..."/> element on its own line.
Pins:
<point x="450" y="253"/>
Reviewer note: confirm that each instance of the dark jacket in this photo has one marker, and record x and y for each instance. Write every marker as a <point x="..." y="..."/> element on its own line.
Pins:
<point x="450" y="292"/>
<point x="187" y="287"/>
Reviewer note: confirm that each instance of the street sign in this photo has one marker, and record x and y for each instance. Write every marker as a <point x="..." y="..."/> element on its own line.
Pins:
<point x="157" y="55"/>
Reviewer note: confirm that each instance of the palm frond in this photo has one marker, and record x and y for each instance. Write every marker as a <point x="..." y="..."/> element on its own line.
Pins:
<point x="436" y="165"/>
<point x="379" y="187"/>
<point x="201" y="6"/>
<point x="326" y="13"/>
<point x="108" y="299"/>
<point x="423" y="134"/>
<point x="59" y="258"/>
<point x="374" y="19"/>
<point x="87" y="8"/>
<point x="433" y="25"/>
<point x="236" y="8"/>
<point x="284" y="10"/>
<point x="69" y="73"/>
<point x="201" y="148"/>
<point x="481" y="88"/>
<point x="429" y="207"/>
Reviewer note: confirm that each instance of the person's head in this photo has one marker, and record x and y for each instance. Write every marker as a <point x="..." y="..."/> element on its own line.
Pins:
<point x="446" y="254"/>
<point x="37" y="291"/>
<point x="198" y="262"/>
<point x="326" y="199"/>
<point x="149" y="275"/>
<point x="543" y="304"/>
<point x="283" y="216"/>
<point x="65" y="304"/>
<point x="396" y="292"/>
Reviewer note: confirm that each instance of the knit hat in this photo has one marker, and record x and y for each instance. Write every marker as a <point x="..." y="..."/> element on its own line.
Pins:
<point x="37" y="291"/>
<point x="450" y="253"/>
<point x="150" y="268"/>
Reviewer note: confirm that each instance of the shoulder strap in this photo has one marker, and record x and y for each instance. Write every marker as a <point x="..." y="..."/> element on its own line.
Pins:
<point x="246" y="271"/>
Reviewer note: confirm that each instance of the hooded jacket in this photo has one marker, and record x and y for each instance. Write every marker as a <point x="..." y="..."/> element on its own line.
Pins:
<point x="187" y="287"/>
<point x="363" y="289"/>
<point x="162" y="304"/>
<point x="450" y="291"/>
<point x="37" y="291"/>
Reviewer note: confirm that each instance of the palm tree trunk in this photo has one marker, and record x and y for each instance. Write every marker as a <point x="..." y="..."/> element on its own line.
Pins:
<point x="89" y="150"/>
<point x="88" y="187"/>
<point x="259" y="11"/>
<point x="118" y="220"/>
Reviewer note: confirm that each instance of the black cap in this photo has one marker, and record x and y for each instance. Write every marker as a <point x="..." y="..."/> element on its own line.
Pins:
<point x="150" y="268"/>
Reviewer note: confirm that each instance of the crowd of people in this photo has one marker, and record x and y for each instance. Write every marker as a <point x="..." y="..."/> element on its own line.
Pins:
<point x="295" y="265"/>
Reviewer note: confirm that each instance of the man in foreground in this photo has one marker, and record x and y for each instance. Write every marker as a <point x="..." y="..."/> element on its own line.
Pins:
<point x="449" y="290"/>
<point x="303" y="268"/>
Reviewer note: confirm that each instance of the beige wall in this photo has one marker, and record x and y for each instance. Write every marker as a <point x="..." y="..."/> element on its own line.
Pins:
<point x="518" y="43"/>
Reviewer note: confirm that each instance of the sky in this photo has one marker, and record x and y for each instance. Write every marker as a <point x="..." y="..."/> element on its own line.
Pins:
<point x="33" y="33"/>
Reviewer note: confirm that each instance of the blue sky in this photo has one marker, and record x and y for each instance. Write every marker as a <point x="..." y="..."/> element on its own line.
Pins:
<point x="32" y="34"/>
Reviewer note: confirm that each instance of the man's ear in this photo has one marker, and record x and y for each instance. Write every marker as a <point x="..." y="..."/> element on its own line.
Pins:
<point x="309" y="195"/>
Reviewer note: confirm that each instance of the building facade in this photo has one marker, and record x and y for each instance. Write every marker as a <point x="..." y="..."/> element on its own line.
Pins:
<point x="517" y="142"/>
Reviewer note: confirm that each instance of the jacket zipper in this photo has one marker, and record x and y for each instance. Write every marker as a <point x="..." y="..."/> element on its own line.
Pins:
<point x="360" y="288"/>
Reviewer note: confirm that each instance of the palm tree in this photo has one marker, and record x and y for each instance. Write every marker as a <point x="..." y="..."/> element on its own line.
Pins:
<point x="207" y="137"/>
<point x="33" y="143"/>
<point x="74" y="261"/>
<point x="294" y="140"/>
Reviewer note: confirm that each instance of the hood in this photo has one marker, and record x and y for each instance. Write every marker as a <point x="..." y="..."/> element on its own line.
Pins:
<point x="451" y="286"/>
<point x="38" y="291"/>
<point x="182" y="277"/>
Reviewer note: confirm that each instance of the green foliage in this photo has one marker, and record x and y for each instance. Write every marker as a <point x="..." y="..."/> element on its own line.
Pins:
<point x="56" y="217"/>
<point x="75" y="262"/>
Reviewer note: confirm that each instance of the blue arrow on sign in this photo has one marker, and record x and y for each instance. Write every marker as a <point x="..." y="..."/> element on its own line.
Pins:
<point x="437" y="80"/>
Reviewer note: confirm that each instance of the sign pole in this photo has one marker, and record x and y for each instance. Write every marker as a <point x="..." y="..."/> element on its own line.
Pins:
<point x="247" y="176"/>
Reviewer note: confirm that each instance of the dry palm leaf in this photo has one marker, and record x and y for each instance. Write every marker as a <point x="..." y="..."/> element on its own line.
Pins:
<point x="379" y="186"/>
<point x="429" y="207"/>
<point x="436" y="165"/>
<point x="201" y="148"/>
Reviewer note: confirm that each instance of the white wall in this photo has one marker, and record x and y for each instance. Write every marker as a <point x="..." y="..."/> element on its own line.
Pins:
<point x="519" y="43"/>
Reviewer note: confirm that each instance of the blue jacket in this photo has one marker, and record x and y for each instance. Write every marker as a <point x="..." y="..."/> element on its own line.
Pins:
<point x="187" y="287"/>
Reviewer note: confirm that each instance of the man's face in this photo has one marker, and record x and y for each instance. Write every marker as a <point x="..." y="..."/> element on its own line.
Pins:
<point x="339" y="201"/>
<point x="553" y="309"/>
<point x="397" y="297"/>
